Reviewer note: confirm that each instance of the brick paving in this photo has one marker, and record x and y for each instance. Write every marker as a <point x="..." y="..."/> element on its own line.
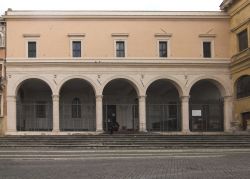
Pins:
<point x="187" y="165"/>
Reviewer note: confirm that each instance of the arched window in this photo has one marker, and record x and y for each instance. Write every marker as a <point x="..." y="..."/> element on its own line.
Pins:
<point x="1" y="40"/>
<point x="243" y="86"/>
<point x="76" y="108"/>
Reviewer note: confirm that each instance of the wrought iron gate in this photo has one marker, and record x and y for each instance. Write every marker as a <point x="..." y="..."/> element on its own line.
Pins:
<point x="206" y="117"/>
<point x="125" y="115"/>
<point x="163" y="117"/>
<point x="77" y="118"/>
<point x="34" y="116"/>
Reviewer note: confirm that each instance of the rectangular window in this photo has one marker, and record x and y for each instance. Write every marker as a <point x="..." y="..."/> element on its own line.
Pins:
<point x="120" y="49"/>
<point x="246" y="116"/>
<point x="163" y="48"/>
<point x="76" y="48"/>
<point x="41" y="109"/>
<point x="243" y="40"/>
<point x="207" y="50"/>
<point x="31" y="49"/>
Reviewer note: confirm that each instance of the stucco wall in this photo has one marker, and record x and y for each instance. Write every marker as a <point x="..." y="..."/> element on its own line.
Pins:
<point x="98" y="42"/>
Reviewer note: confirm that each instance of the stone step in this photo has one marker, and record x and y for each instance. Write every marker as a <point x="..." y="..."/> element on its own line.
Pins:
<point x="127" y="141"/>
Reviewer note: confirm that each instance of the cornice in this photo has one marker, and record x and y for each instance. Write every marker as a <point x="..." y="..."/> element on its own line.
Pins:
<point x="241" y="55"/>
<point x="240" y="25"/>
<point x="159" y="63"/>
<point x="241" y="61"/>
<point x="240" y="8"/>
<point x="114" y="15"/>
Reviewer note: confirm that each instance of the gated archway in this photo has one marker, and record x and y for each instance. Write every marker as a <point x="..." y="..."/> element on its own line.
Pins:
<point x="206" y="107"/>
<point x="34" y="106"/>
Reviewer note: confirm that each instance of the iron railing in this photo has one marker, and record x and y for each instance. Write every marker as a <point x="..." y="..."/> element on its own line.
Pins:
<point x="84" y="119"/>
<point x="163" y="117"/>
<point x="206" y="117"/>
<point x="126" y="115"/>
<point x="34" y="117"/>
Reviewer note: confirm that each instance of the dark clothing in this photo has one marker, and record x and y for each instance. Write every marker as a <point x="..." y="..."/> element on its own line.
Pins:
<point x="113" y="126"/>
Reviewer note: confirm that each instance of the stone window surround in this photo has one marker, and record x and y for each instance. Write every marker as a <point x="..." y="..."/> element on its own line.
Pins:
<point x="123" y="39"/>
<point x="75" y="37"/>
<point x="208" y="38"/>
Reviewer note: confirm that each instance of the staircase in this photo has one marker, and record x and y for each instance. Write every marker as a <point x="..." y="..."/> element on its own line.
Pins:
<point x="126" y="141"/>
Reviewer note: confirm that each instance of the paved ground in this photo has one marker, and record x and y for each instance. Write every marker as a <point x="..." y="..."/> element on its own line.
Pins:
<point x="200" y="164"/>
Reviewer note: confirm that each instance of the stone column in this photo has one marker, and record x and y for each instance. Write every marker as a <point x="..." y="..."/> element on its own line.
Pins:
<point x="55" y="99"/>
<point x="99" y="122"/>
<point x="11" y="113"/>
<point x="228" y="113"/>
<point x="185" y="113"/>
<point x="142" y="114"/>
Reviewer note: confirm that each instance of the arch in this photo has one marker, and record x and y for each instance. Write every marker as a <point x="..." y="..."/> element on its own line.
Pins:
<point x="206" y="106"/>
<point x="172" y="80"/>
<point x="163" y="109"/>
<point x="242" y="86"/>
<point x="77" y="105"/>
<point x="34" y="105"/>
<point x="86" y="79"/>
<point x="120" y="99"/>
<point x="22" y="80"/>
<point x="130" y="80"/>
<point x="220" y="84"/>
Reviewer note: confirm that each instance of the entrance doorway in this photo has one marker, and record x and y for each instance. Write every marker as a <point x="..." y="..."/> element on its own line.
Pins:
<point x="34" y="106"/>
<point x="120" y="105"/>
<point x="163" y="107"/>
<point x="206" y="108"/>
<point x="111" y="113"/>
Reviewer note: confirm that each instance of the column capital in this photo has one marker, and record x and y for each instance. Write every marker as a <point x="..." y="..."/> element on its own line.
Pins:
<point x="99" y="97"/>
<point x="142" y="97"/>
<point x="55" y="97"/>
<point x="228" y="98"/>
<point x="184" y="98"/>
<point x="11" y="98"/>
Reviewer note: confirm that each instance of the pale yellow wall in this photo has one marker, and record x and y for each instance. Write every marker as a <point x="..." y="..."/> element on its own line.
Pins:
<point x="240" y="105"/>
<point x="54" y="42"/>
<point x="240" y="13"/>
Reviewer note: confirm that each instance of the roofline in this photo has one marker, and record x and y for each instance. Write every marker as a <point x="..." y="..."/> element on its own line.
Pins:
<point x="39" y="14"/>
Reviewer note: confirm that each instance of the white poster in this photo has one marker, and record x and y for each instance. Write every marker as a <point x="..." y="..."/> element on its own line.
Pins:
<point x="196" y="112"/>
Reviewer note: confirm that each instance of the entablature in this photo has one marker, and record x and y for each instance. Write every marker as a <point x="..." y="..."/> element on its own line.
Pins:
<point x="128" y="62"/>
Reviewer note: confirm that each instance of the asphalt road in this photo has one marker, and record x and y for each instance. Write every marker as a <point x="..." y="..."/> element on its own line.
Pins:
<point x="70" y="164"/>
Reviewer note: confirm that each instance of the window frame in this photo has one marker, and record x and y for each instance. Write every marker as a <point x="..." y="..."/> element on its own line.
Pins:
<point x="38" y="114"/>
<point x="75" y="39"/>
<point x="2" y="41"/>
<point x="76" y="107"/>
<point x="246" y="93"/>
<point x="125" y="47"/>
<point x="238" y="40"/>
<point x="74" y="50"/>
<point x="27" y="48"/>
<point x="159" y="50"/>
<point x="168" y="47"/>
<point x="211" y="41"/>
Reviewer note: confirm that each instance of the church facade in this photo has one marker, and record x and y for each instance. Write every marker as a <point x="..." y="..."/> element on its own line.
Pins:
<point x="74" y="72"/>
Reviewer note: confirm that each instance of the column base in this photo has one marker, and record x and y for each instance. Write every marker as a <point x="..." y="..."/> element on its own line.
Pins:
<point x="100" y="130"/>
<point x="185" y="131"/>
<point x="55" y="131"/>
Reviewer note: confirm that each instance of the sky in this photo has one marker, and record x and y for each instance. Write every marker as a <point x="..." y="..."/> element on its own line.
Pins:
<point x="147" y="5"/>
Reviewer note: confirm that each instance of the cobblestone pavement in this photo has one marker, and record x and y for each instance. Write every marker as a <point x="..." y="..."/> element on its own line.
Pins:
<point x="200" y="164"/>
